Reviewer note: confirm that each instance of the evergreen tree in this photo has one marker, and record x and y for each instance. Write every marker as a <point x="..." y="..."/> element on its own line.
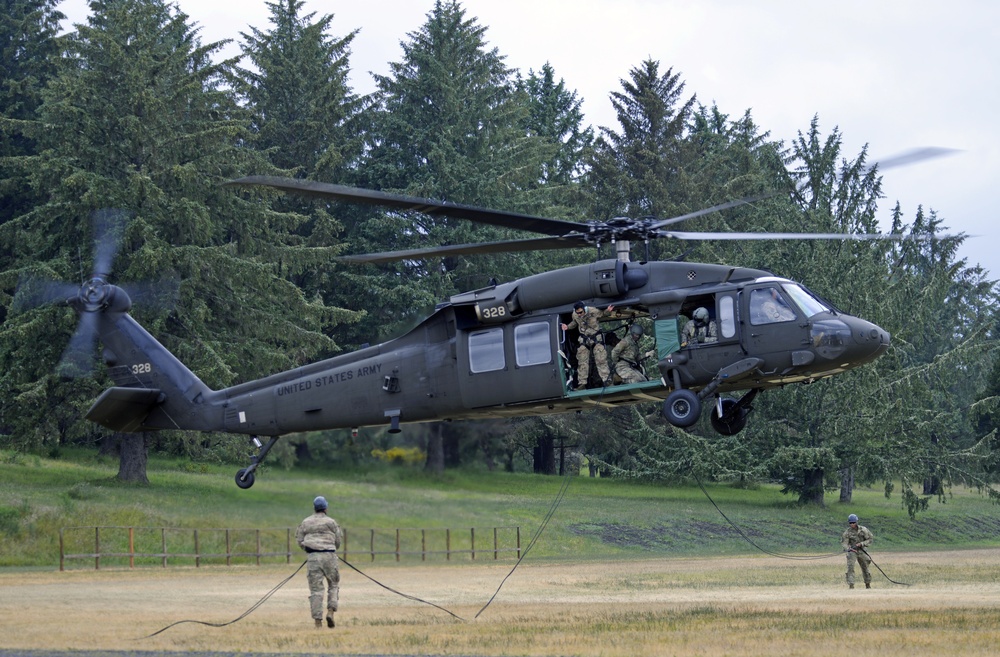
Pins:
<point x="450" y="125"/>
<point x="29" y="56"/>
<point x="303" y="112"/>
<point x="305" y="119"/>
<point x="555" y="114"/>
<point x="638" y="170"/>
<point x="140" y="119"/>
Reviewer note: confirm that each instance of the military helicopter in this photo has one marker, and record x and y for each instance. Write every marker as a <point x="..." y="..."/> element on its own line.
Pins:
<point x="502" y="351"/>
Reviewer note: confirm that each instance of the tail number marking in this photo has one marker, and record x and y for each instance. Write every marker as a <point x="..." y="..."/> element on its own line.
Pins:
<point x="142" y="368"/>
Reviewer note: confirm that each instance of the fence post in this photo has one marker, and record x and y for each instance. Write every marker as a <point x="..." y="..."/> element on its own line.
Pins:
<point x="288" y="545"/>
<point x="163" y="544"/>
<point x="423" y="545"/>
<point x="229" y="551"/>
<point x="343" y="533"/>
<point x="397" y="544"/>
<point x="197" y="550"/>
<point x="447" y="544"/>
<point x="131" y="547"/>
<point x="519" y="541"/>
<point x="371" y="544"/>
<point x="258" y="547"/>
<point x="472" y="533"/>
<point x="494" y="544"/>
<point x="62" y="551"/>
<point x="97" y="548"/>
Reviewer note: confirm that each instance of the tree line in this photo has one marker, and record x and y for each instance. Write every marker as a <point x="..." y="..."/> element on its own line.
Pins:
<point x="132" y="112"/>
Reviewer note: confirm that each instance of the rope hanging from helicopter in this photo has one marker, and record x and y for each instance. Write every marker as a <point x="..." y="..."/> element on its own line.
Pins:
<point x="779" y="555"/>
<point x="560" y="495"/>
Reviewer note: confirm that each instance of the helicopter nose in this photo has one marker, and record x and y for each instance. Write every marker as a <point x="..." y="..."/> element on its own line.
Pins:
<point x="873" y="340"/>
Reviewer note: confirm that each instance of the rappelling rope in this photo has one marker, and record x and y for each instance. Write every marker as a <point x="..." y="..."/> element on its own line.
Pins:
<point x="241" y="616"/>
<point x="786" y="556"/>
<point x="399" y="593"/>
<point x="548" y="516"/>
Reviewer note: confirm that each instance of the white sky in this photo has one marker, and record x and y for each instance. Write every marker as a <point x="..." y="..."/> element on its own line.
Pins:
<point x="895" y="74"/>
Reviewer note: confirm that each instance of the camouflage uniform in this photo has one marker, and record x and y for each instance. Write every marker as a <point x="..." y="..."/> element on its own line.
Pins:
<point x="591" y="339"/>
<point x="627" y="356"/>
<point x="694" y="334"/>
<point x="856" y="538"/>
<point x="319" y="535"/>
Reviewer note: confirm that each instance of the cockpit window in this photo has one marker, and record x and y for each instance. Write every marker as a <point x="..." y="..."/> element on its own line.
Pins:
<point x="768" y="307"/>
<point x="804" y="299"/>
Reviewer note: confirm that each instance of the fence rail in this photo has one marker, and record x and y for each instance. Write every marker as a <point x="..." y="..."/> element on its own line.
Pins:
<point x="117" y="546"/>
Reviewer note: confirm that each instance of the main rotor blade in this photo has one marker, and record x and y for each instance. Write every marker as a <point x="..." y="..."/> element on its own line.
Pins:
<point x="714" y="208"/>
<point x="554" y="227"/>
<point x="915" y="155"/>
<point x="536" y="244"/>
<point x="779" y="236"/>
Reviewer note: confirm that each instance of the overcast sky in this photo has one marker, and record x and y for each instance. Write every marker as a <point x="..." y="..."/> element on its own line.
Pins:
<point x="894" y="74"/>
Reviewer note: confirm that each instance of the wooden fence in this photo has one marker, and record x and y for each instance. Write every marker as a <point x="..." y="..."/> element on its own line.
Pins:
<point x="143" y="546"/>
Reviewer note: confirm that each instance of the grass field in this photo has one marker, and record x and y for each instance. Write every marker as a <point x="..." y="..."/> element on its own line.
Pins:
<point x="597" y="519"/>
<point x="709" y="607"/>
<point x="622" y="568"/>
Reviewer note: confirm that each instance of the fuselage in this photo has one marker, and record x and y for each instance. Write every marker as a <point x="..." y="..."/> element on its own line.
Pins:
<point x="501" y="351"/>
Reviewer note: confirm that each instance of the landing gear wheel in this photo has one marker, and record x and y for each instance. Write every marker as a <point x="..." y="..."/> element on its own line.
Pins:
<point x="682" y="408"/>
<point x="732" y="422"/>
<point x="244" y="479"/>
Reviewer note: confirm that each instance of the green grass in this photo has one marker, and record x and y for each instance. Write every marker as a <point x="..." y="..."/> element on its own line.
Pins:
<point x="598" y="518"/>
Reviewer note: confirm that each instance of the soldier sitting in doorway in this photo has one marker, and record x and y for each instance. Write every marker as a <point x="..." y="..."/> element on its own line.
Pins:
<point x="700" y="330"/>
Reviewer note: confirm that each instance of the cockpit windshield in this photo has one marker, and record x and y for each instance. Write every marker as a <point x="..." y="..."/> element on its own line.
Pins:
<point x="804" y="299"/>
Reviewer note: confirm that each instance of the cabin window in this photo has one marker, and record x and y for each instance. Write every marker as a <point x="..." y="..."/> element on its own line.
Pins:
<point x="531" y="344"/>
<point x="486" y="350"/>
<point x="727" y="316"/>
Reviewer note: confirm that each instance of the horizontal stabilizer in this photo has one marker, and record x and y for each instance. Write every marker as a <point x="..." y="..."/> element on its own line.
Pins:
<point x="123" y="409"/>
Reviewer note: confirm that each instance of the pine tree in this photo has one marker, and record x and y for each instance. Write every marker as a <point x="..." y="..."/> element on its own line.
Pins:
<point x="29" y="56"/>
<point x="304" y="114"/>
<point x="638" y="169"/>
<point x="141" y="120"/>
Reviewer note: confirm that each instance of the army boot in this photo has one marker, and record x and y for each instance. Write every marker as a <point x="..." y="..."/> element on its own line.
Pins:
<point x="329" y="619"/>
<point x="850" y="586"/>
<point x="319" y="623"/>
<point x="868" y="585"/>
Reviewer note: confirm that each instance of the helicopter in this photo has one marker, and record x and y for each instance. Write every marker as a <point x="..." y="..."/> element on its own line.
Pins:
<point x="506" y="349"/>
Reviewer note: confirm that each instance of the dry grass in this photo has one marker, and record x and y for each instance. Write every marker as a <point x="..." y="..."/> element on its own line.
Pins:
<point x="708" y="607"/>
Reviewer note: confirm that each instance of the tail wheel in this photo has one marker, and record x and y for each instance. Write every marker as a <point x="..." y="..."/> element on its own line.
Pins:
<point x="682" y="408"/>
<point x="732" y="421"/>
<point x="244" y="479"/>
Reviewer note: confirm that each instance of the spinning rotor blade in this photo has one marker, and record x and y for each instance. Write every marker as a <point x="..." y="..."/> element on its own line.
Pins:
<point x="714" y="208"/>
<point x="78" y="358"/>
<point x="33" y="293"/>
<point x="553" y="227"/>
<point x="779" y="236"/>
<point x="109" y="227"/>
<point x="916" y="155"/>
<point x="536" y="244"/>
<point x="561" y="234"/>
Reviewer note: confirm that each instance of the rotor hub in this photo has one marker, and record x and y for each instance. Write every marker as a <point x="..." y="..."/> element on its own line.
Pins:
<point x="97" y="294"/>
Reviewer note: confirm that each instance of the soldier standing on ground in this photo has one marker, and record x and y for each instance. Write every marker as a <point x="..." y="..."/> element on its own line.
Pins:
<point x="855" y="539"/>
<point x="319" y="535"/>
